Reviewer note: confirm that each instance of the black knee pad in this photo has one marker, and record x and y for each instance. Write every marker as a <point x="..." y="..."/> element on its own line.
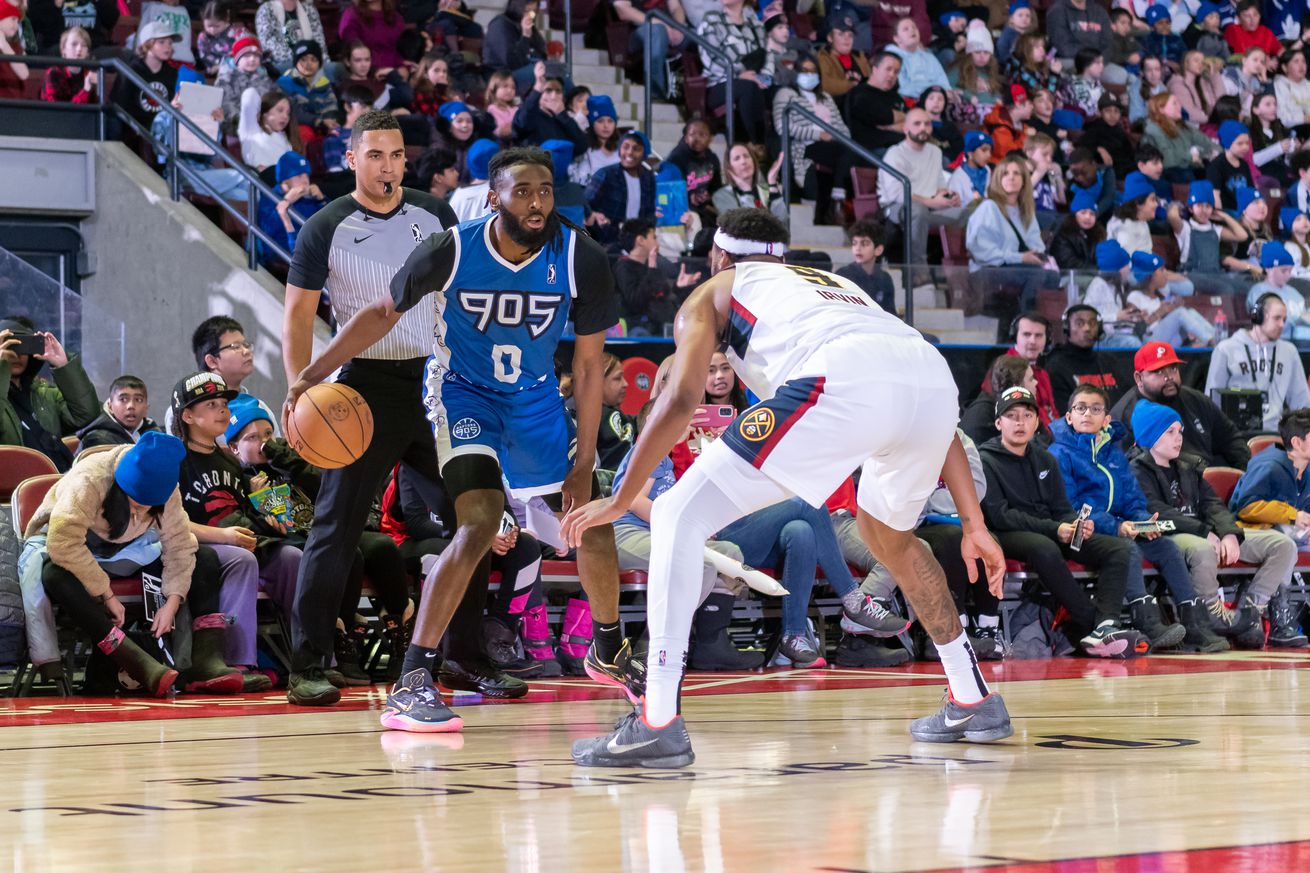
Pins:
<point x="471" y="473"/>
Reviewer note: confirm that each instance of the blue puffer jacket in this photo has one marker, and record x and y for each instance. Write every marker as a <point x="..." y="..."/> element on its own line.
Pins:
<point x="1096" y="472"/>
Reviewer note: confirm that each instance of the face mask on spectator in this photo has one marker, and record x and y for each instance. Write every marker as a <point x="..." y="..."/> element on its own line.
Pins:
<point x="807" y="81"/>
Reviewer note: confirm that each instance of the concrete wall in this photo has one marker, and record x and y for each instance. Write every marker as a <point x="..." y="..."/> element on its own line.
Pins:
<point x="162" y="268"/>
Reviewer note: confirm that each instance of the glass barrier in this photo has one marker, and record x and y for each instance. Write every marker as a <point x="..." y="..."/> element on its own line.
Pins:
<point x="80" y="325"/>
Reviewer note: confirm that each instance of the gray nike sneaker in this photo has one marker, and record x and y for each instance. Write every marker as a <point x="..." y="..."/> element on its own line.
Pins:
<point x="983" y="722"/>
<point x="871" y="616"/>
<point x="636" y="744"/>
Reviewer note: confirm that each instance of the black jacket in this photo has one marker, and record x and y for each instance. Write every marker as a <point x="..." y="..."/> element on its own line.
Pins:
<point x="106" y="431"/>
<point x="1207" y="432"/>
<point x="1074" y="248"/>
<point x="533" y="126"/>
<point x="1202" y="512"/>
<point x="1024" y="493"/>
<point x="1070" y="366"/>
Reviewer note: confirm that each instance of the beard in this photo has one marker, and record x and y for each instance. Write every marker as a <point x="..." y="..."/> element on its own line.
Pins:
<point x="921" y="138"/>
<point x="532" y="240"/>
<point x="1168" y="391"/>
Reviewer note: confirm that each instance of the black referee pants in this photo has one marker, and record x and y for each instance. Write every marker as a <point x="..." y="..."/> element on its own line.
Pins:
<point x="394" y="392"/>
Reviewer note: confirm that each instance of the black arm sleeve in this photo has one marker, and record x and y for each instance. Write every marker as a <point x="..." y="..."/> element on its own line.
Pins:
<point x="430" y="266"/>
<point x="596" y="307"/>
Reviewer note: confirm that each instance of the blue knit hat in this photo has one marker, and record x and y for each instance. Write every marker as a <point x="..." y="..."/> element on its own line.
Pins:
<point x="1145" y="264"/>
<point x="1245" y="197"/>
<point x="186" y="74"/>
<point x="1016" y="5"/>
<point x="1151" y="420"/>
<point x="1286" y="216"/>
<point x="1157" y="12"/>
<point x="1275" y="254"/>
<point x="245" y="409"/>
<point x="1200" y="191"/>
<point x="561" y="155"/>
<point x="451" y="108"/>
<point x="974" y="140"/>
<point x="1203" y="11"/>
<point x="600" y="106"/>
<point x="479" y="157"/>
<point x="1230" y="130"/>
<point x="1067" y="119"/>
<point x="945" y="17"/>
<point x="148" y="472"/>
<point x="1111" y="257"/>
<point x="291" y="164"/>
<point x="1084" y="199"/>
<point x="1136" y="186"/>
<point x="639" y="137"/>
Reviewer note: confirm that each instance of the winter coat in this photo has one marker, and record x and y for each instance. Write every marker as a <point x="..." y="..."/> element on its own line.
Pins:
<point x="314" y="102"/>
<point x="72" y="510"/>
<point x="1270" y="492"/>
<point x="106" y="431"/>
<point x="1207" y="515"/>
<point x="1096" y="472"/>
<point x="234" y="82"/>
<point x="1024" y="492"/>
<point x="61" y="407"/>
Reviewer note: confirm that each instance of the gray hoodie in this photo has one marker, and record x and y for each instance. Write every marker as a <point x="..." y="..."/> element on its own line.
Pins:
<point x="1271" y="367"/>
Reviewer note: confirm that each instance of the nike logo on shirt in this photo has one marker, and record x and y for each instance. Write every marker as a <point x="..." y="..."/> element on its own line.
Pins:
<point x="360" y="239"/>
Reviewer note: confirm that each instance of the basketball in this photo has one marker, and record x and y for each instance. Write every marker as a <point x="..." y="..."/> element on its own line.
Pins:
<point x="331" y="426"/>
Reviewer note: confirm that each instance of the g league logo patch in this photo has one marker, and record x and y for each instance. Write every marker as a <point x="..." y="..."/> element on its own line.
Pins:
<point x="466" y="429"/>
<point x="550" y="274"/>
<point x="418" y="233"/>
<point x="757" y="424"/>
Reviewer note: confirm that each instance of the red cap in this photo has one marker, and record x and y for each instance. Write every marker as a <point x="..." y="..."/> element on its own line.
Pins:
<point x="1018" y="94"/>
<point x="8" y="10"/>
<point x="246" y="42"/>
<point x="1155" y="356"/>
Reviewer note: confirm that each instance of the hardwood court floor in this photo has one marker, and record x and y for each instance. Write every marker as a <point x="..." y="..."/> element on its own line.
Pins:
<point x="1167" y="764"/>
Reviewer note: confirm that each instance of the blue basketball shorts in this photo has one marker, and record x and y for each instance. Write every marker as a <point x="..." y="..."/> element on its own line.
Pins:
<point x="528" y="432"/>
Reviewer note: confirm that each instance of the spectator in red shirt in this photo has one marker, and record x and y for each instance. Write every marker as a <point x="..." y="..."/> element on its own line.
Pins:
<point x="1247" y="32"/>
<point x="12" y="75"/>
<point x="72" y="84"/>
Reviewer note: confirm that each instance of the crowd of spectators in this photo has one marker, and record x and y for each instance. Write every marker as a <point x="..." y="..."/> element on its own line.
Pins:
<point x="1131" y="157"/>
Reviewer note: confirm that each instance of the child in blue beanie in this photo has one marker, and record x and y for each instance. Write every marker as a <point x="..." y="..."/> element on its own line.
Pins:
<point x="118" y="514"/>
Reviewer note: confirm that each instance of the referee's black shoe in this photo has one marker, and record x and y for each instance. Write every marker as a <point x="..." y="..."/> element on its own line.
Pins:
<point x="481" y="677"/>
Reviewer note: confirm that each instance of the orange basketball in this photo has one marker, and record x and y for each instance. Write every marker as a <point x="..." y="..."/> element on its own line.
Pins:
<point x="331" y="426"/>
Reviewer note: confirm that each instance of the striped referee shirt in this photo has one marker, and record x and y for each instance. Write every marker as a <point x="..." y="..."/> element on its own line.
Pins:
<point x="352" y="252"/>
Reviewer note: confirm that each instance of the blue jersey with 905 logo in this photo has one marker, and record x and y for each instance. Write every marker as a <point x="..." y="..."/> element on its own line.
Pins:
<point x="498" y="323"/>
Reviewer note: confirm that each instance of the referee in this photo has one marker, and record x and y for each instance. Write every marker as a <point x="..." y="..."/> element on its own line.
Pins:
<point x="350" y="249"/>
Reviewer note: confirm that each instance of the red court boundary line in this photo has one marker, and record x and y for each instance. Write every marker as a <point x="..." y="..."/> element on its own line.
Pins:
<point x="1277" y="856"/>
<point x="91" y="710"/>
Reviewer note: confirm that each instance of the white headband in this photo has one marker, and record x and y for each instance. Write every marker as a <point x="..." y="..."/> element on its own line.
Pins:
<point x="734" y="246"/>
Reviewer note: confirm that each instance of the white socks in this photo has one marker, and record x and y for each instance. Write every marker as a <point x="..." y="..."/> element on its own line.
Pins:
<point x="962" y="674"/>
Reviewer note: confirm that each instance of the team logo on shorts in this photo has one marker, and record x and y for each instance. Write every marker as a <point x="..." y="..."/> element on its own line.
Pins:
<point x="757" y="424"/>
<point x="466" y="429"/>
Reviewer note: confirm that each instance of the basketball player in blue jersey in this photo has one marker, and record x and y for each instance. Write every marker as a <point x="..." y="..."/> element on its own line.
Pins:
<point x="502" y="288"/>
<point x="844" y="384"/>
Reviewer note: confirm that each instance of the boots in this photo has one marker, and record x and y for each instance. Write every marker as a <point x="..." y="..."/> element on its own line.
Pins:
<point x="575" y="637"/>
<point x="209" y="673"/>
<point x="537" y="641"/>
<point x="712" y="648"/>
<point x="396" y="635"/>
<point x="504" y="648"/>
<point x="156" y="678"/>
<point x="1228" y="621"/>
<point x="1147" y="619"/>
<point x="1252" y="619"/>
<point x="1284" y="629"/>
<point x="1196" y="619"/>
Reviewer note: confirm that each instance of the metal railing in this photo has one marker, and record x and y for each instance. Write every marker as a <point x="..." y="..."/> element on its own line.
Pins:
<point x="696" y="39"/>
<point x="795" y="108"/>
<point x="174" y="168"/>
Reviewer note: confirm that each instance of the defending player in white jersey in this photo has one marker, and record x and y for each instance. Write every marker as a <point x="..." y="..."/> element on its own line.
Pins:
<point x="844" y="384"/>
